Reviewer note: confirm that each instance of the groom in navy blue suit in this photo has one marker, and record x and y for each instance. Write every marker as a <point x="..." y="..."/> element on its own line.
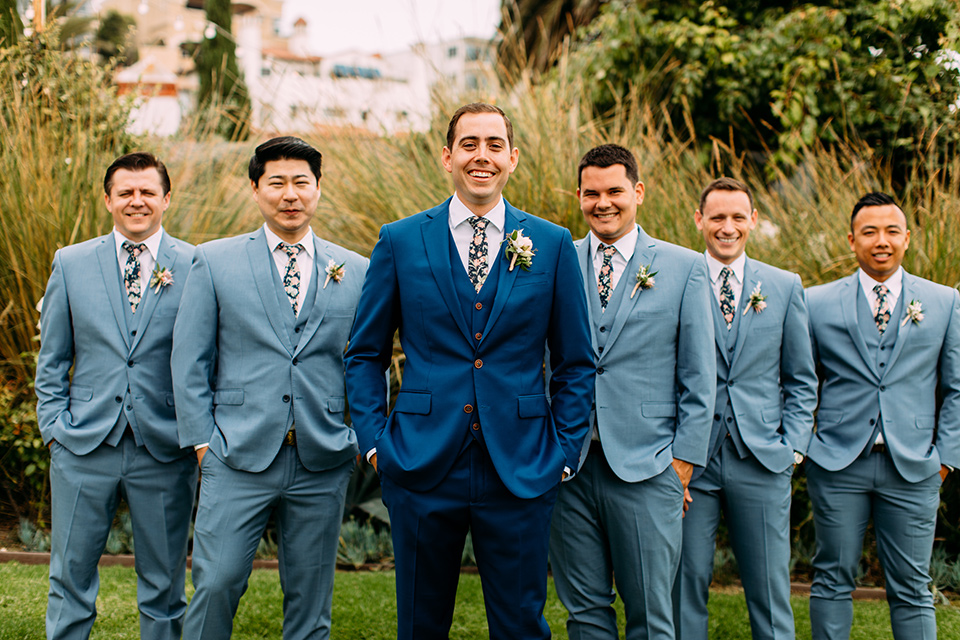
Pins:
<point x="477" y="289"/>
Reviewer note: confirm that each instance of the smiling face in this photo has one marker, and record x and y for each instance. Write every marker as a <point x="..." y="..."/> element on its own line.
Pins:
<point x="725" y="222"/>
<point x="287" y="194"/>
<point x="609" y="201"/>
<point x="879" y="238"/>
<point x="137" y="202"/>
<point x="480" y="160"/>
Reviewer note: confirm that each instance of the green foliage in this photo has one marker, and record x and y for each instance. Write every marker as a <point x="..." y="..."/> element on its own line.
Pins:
<point x="782" y="76"/>
<point x="11" y="28"/>
<point x="114" y="38"/>
<point x="361" y="543"/>
<point x="33" y="538"/>
<point x="222" y="91"/>
<point x="120" y="538"/>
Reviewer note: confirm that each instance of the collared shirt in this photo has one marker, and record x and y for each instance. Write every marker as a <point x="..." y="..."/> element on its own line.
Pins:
<point x="894" y="286"/>
<point x="462" y="230"/>
<point x="304" y="259"/>
<point x="625" y="247"/>
<point x="714" y="267"/>
<point x="148" y="258"/>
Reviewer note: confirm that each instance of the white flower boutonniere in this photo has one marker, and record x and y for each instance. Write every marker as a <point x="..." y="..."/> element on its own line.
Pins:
<point x="161" y="277"/>
<point x="645" y="279"/>
<point x="757" y="300"/>
<point x="914" y="312"/>
<point x="520" y="250"/>
<point x="334" y="272"/>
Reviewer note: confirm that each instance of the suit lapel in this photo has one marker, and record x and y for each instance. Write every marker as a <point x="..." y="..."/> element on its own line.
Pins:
<point x="107" y="256"/>
<point x="436" y="242"/>
<point x="644" y="254"/>
<point x="513" y="219"/>
<point x="904" y="331"/>
<point x="322" y="256"/>
<point x="589" y="285"/>
<point x="848" y="306"/>
<point x="746" y="319"/>
<point x="261" y="263"/>
<point x="167" y="258"/>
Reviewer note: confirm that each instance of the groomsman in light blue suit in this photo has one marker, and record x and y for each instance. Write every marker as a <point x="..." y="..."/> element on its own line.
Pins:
<point x="258" y="370"/>
<point x="762" y="422"/>
<point x="108" y="315"/>
<point x="619" y="518"/>
<point x="887" y="345"/>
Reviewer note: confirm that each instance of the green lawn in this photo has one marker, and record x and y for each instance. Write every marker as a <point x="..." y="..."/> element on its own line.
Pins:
<point x="363" y="607"/>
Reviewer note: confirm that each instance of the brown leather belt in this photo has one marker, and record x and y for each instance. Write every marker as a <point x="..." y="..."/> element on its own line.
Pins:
<point x="290" y="438"/>
<point x="878" y="448"/>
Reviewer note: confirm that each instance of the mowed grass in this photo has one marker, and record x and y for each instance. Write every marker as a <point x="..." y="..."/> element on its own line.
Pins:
<point x="364" y="608"/>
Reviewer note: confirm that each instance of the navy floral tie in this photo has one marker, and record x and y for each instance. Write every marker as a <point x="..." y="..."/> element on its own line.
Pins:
<point x="477" y="256"/>
<point x="291" y="278"/>
<point x="605" y="279"/>
<point x="131" y="272"/>
<point x="727" y="305"/>
<point x="882" y="317"/>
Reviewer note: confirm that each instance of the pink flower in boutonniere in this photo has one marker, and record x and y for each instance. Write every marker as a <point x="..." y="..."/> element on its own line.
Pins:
<point x="756" y="301"/>
<point x="645" y="279"/>
<point x="334" y="272"/>
<point x="914" y="312"/>
<point x="520" y="250"/>
<point x="161" y="277"/>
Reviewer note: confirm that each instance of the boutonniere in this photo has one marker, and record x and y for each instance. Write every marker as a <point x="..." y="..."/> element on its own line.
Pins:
<point x="914" y="312"/>
<point x="161" y="277"/>
<point x="644" y="280"/>
<point x="757" y="300"/>
<point x="520" y="250"/>
<point x="334" y="271"/>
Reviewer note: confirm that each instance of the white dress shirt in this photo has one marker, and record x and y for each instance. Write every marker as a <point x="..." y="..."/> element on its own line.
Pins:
<point x="714" y="267"/>
<point x="462" y="230"/>
<point x="625" y="247"/>
<point x="148" y="258"/>
<point x="304" y="259"/>
<point x="894" y="286"/>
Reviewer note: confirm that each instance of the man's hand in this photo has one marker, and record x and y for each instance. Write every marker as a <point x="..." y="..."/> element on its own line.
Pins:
<point x="200" y="453"/>
<point x="943" y="472"/>
<point x="684" y="471"/>
<point x="687" y="499"/>
<point x="373" y="461"/>
<point x="564" y="476"/>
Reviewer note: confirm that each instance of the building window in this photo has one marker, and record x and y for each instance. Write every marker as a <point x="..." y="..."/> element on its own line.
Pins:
<point x="471" y="81"/>
<point x="473" y="54"/>
<point x="276" y="26"/>
<point x="265" y="71"/>
<point x="452" y="52"/>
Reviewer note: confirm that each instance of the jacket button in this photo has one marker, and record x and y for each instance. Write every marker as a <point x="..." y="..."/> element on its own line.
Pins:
<point x="118" y="399"/>
<point x="479" y="306"/>
<point x="286" y="398"/>
<point x="476" y="426"/>
<point x="716" y="416"/>
<point x="296" y="361"/>
<point x="468" y="408"/>
<point x="729" y="419"/>
<point x="129" y="363"/>
<point x="731" y="383"/>
<point x="478" y="335"/>
<point x="883" y="364"/>
<point x="603" y="329"/>
<point x="872" y="421"/>
<point x="134" y="332"/>
<point x="478" y="363"/>
<point x="883" y="388"/>
<point x="600" y="371"/>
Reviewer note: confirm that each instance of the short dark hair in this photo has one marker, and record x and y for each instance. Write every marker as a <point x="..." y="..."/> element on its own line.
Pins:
<point x="725" y="184"/>
<point x="477" y="107"/>
<point x="283" y="148"/>
<point x="607" y="155"/>
<point x="872" y="199"/>
<point x="137" y="161"/>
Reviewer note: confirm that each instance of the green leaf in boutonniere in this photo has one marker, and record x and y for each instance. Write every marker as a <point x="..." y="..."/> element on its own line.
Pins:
<point x="161" y="277"/>
<point x="645" y="280"/>
<point x="520" y="250"/>
<point x="914" y="312"/>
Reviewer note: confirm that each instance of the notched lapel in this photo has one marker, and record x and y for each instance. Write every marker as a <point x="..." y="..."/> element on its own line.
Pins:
<point x="848" y="306"/>
<point x="167" y="258"/>
<point x="322" y="257"/>
<point x="750" y="281"/>
<point x="513" y="219"/>
<point x="589" y="286"/>
<point x="903" y="332"/>
<point x="436" y="245"/>
<point x="109" y="266"/>
<point x="644" y="254"/>
<point x="261" y="263"/>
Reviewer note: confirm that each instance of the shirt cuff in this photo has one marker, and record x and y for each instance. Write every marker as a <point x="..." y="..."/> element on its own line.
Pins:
<point x="197" y="447"/>
<point x="371" y="453"/>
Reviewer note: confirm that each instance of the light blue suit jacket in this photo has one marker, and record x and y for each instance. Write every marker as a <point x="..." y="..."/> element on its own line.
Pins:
<point x="410" y="286"/>
<point x="656" y="378"/>
<point x="855" y="391"/>
<point x="237" y="368"/>
<point x="770" y="377"/>
<point x="83" y="326"/>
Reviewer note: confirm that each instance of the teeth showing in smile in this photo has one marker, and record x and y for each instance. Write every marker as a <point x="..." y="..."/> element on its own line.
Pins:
<point x="481" y="174"/>
<point x="605" y="215"/>
<point x="727" y="240"/>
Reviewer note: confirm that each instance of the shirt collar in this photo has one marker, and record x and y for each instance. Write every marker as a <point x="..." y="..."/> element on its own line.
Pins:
<point x="152" y="243"/>
<point x="460" y="213"/>
<point x="894" y="283"/>
<point x="273" y="240"/>
<point x="714" y="267"/>
<point x="626" y="245"/>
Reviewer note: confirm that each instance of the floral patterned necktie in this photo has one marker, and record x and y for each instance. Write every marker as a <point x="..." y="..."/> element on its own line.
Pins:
<point x="131" y="272"/>
<point x="291" y="278"/>
<point x="477" y="256"/>
<point x="726" y="296"/>
<point x="882" y="316"/>
<point x="605" y="279"/>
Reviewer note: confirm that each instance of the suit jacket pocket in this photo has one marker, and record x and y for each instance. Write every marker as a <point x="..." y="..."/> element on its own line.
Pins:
<point x="335" y="404"/>
<point x="534" y="406"/>
<point x="658" y="409"/>
<point x="771" y="415"/>
<point x="81" y="393"/>
<point x="228" y="396"/>
<point x="829" y="416"/>
<point x="413" y="402"/>
<point x="925" y="422"/>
